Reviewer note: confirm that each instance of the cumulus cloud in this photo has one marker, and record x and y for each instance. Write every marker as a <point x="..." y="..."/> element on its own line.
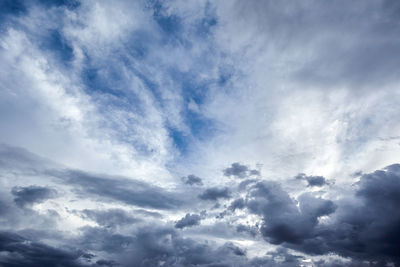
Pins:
<point x="192" y="180"/>
<point x="362" y="226"/>
<point x="239" y="171"/>
<point x="283" y="221"/>
<point x="188" y="221"/>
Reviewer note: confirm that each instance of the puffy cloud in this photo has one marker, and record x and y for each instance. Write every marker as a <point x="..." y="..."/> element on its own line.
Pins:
<point x="192" y="180"/>
<point x="283" y="221"/>
<point x="362" y="226"/>
<point x="239" y="171"/>
<point x="188" y="221"/>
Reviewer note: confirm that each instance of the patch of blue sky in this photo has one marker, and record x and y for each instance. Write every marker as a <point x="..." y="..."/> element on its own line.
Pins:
<point x="10" y="9"/>
<point x="54" y="42"/>
<point x="137" y="45"/>
<point x="170" y="24"/>
<point x="208" y="21"/>
<point x="103" y="77"/>
<point x="201" y="128"/>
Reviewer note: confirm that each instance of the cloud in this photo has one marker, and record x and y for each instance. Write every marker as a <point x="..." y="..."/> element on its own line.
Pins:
<point x="188" y="221"/>
<point x="129" y="191"/>
<point x="19" y="251"/>
<point x="125" y="97"/>
<point x="239" y="171"/>
<point x="283" y="221"/>
<point x="362" y="226"/>
<point x="237" y="204"/>
<point x="192" y="180"/>
<point x="312" y="180"/>
<point x="27" y="196"/>
<point x="109" y="218"/>
<point x="117" y="188"/>
<point x="366" y="225"/>
<point x="215" y="193"/>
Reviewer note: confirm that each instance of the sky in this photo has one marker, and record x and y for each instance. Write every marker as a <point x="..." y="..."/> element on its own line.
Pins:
<point x="199" y="133"/>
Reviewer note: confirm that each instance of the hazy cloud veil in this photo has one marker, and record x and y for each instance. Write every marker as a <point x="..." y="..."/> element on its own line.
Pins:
<point x="199" y="133"/>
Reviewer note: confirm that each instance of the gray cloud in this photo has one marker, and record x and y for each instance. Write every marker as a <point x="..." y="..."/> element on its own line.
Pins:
<point x="237" y="204"/>
<point x="215" y="193"/>
<point x="26" y="196"/>
<point x="239" y="171"/>
<point x="192" y="180"/>
<point x="20" y="251"/>
<point x="312" y="180"/>
<point x="128" y="191"/>
<point x="357" y="34"/>
<point x="363" y="226"/>
<point x="188" y="221"/>
<point x="283" y="221"/>
<point x="367" y="225"/>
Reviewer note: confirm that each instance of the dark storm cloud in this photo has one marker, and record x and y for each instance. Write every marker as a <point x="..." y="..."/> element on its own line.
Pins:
<point x="312" y="180"/>
<point x="153" y="245"/>
<point x="19" y="251"/>
<point x="283" y="221"/>
<point x="109" y="263"/>
<point x="364" y="226"/>
<point x="215" y="193"/>
<point x="239" y="171"/>
<point x="109" y="218"/>
<point x="150" y="246"/>
<point x="26" y="196"/>
<point x="103" y="239"/>
<point x="188" y="221"/>
<point x="367" y="226"/>
<point x="192" y="180"/>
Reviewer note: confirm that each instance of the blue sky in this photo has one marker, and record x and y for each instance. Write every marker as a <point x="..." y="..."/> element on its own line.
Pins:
<point x="199" y="133"/>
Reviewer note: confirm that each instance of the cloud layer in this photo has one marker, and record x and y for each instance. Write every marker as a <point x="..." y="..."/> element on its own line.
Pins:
<point x="229" y="133"/>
